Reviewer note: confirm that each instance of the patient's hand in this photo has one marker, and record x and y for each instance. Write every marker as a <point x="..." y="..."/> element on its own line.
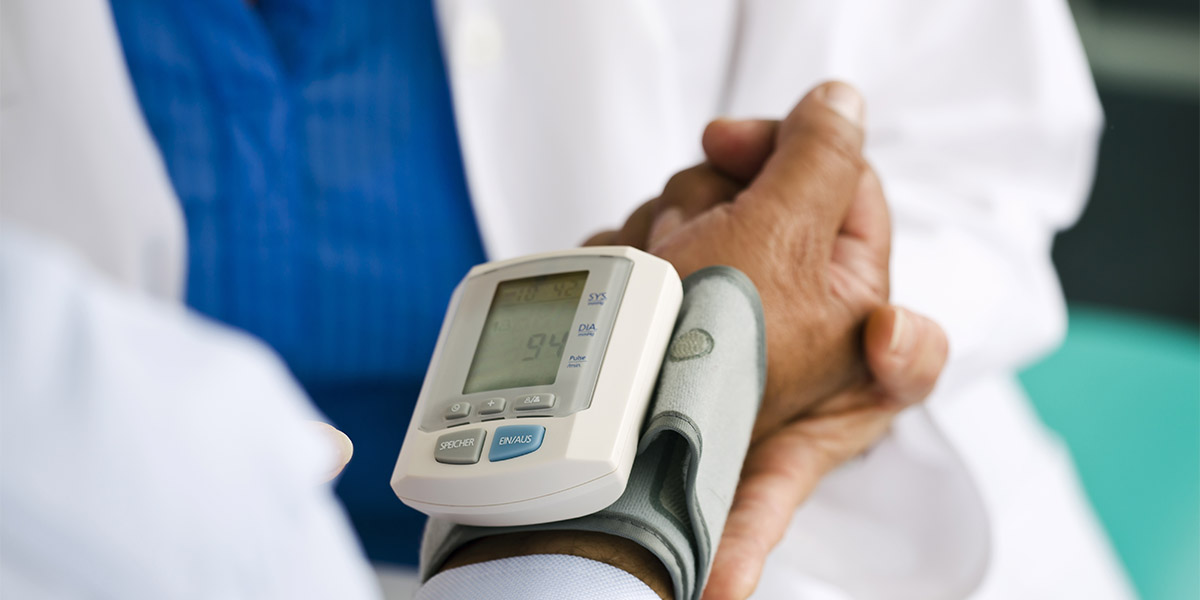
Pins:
<point x="798" y="210"/>
<point x="794" y="206"/>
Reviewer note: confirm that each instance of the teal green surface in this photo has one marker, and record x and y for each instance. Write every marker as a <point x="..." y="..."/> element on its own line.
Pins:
<point x="1124" y="394"/>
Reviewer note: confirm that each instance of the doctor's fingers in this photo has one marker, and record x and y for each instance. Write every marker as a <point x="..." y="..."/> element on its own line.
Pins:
<point x="790" y="163"/>
<point x="607" y="237"/>
<point x="686" y="195"/>
<point x="633" y="233"/>
<point x="739" y="148"/>
<point x="342" y="448"/>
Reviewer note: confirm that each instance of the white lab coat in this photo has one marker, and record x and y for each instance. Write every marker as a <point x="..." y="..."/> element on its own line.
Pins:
<point x="982" y="123"/>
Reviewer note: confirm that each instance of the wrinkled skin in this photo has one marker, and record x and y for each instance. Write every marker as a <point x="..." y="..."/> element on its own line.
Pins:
<point x="794" y="205"/>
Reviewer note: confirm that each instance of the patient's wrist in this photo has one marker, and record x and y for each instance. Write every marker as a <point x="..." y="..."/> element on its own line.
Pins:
<point x="601" y="547"/>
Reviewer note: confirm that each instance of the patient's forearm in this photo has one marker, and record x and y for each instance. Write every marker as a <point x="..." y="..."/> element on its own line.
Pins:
<point x="601" y="547"/>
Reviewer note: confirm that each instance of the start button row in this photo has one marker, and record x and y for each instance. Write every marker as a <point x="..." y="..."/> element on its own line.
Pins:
<point x="465" y="447"/>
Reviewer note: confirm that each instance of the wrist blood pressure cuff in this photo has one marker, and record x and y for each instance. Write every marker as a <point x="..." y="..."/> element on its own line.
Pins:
<point x="692" y="445"/>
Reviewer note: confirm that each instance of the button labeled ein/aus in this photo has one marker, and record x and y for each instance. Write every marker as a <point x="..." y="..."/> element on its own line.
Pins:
<point x="512" y="441"/>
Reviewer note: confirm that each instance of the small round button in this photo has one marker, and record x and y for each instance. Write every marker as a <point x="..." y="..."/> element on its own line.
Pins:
<point x="458" y="410"/>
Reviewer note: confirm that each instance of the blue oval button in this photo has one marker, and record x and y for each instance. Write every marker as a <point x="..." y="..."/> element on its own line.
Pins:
<point x="512" y="441"/>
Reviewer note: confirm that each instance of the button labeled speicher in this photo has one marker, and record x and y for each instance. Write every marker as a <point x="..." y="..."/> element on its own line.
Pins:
<point x="533" y="402"/>
<point x="460" y="447"/>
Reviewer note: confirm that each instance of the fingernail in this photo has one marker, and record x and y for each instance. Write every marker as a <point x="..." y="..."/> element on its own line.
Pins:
<point x="845" y="101"/>
<point x="902" y="334"/>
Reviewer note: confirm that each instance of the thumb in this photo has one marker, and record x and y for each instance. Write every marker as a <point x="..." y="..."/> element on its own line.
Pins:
<point x="905" y="352"/>
<point x="815" y="169"/>
<point x="818" y="150"/>
<point x="832" y="113"/>
<point x="779" y="474"/>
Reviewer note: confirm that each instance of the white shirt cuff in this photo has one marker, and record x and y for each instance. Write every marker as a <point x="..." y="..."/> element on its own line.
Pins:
<point x="535" y="577"/>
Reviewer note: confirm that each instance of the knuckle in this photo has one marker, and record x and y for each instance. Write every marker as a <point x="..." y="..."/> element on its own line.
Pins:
<point x="698" y="187"/>
<point x="677" y="180"/>
<point x="686" y="178"/>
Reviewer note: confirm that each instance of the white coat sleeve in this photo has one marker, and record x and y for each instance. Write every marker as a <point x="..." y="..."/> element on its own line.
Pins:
<point x="536" y="577"/>
<point x="982" y="122"/>
<point x="148" y="453"/>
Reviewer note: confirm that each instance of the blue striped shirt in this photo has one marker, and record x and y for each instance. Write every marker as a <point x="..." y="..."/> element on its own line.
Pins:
<point x="312" y="145"/>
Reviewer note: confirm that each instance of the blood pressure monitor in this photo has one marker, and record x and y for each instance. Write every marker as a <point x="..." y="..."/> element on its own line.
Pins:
<point x="535" y="396"/>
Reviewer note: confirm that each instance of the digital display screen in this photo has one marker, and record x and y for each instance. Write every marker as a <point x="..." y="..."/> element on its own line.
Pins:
<point x="525" y="332"/>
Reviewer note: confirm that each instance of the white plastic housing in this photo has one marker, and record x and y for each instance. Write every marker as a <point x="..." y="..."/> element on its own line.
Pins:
<point x="585" y="459"/>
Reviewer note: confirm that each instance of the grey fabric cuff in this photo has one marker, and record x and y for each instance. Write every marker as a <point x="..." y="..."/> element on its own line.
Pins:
<point x="695" y="438"/>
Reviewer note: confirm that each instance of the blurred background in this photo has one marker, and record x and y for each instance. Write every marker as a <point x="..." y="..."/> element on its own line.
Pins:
<point x="1124" y="390"/>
